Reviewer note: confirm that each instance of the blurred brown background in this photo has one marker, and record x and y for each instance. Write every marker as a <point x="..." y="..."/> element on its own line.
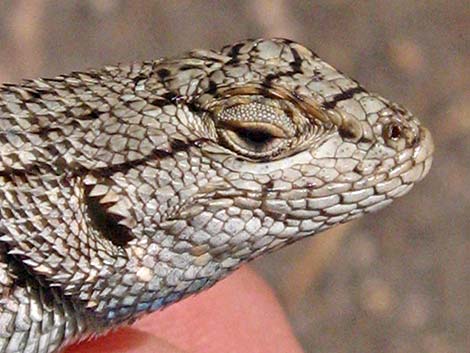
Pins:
<point x="396" y="281"/>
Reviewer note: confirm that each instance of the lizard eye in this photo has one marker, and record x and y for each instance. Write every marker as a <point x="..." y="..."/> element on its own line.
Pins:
<point x="257" y="130"/>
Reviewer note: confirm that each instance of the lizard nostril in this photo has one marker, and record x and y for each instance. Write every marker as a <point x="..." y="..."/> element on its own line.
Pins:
<point x="396" y="134"/>
<point x="394" y="131"/>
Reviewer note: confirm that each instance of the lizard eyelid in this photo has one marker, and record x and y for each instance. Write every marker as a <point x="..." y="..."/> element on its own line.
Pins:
<point x="252" y="142"/>
<point x="257" y="129"/>
<point x="254" y="129"/>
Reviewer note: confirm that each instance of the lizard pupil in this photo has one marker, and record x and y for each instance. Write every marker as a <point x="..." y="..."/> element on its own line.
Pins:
<point x="255" y="137"/>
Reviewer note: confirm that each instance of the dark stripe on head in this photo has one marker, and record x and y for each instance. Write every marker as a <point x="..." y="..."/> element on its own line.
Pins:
<point x="139" y="78"/>
<point x="268" y="80"/>
<point x="193" y="107"/>
<point x="297" y="63"/>
<point x="175" y="146"/>
<point x="212" y="89"/>
<point x="171" y="97"/>
<point x="160" y="102"/>
<point x="187" y="67"/>
<point x="234" y="51"/>
<point x="348" y="94"/>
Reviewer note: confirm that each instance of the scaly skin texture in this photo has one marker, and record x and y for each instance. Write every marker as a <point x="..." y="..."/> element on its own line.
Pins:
<point x="128" y="188"/>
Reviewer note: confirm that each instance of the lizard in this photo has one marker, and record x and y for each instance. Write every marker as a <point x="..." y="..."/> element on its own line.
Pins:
<point x="127" y="188"/>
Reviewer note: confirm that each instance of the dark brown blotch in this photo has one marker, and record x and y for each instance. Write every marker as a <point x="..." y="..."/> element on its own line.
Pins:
<point x="107" y="224"/>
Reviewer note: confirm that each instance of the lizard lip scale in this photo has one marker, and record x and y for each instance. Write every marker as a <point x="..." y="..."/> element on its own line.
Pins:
<point x="127" y="188"/>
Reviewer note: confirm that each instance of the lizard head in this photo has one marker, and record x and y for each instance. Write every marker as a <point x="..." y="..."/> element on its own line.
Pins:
<point x="282" y="147"/>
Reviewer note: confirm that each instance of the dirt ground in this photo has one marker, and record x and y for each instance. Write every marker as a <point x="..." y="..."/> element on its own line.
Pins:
<point x="396" y="281"/>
